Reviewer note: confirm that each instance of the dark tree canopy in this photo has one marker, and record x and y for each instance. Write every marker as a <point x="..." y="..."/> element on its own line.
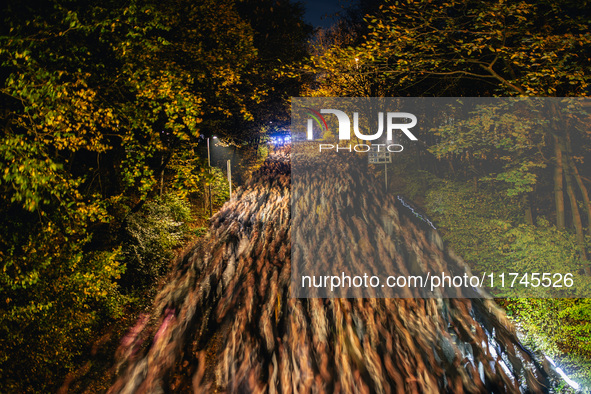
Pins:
<point x="102" y="104"/>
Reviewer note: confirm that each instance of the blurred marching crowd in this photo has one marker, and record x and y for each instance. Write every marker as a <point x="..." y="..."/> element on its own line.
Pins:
<point x="225" y="319"/>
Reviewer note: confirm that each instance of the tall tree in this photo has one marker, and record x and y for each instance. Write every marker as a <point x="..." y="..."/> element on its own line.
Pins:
<point x="96" y="98"/>
<point x="483" y="48"/>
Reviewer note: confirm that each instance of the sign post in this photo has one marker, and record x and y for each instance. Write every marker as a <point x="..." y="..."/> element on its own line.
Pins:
<point x="377" y="157"/>
<point x="229" y="166"/>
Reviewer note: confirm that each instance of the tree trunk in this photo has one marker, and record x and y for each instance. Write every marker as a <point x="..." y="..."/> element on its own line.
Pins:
<point x="584" y="192"/>
<point x="529" y="217"/>
<point x="558" y="188"/>
<point x="575" y="173"/>
<point x="576" y="217"/>
<point x="161" y="175"/>
<point x="451" y="166"/>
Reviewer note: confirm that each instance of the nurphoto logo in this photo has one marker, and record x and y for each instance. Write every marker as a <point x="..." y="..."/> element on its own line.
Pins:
<point x="393" y="120"/>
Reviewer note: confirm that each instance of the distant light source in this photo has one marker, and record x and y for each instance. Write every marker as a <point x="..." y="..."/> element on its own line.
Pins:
<point x="280" y="140"/>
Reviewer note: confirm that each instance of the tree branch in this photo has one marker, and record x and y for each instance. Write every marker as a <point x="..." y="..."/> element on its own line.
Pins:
<point x="494" y="74"/>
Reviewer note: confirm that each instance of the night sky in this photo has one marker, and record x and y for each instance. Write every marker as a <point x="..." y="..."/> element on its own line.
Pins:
<point x="320" y="13"/>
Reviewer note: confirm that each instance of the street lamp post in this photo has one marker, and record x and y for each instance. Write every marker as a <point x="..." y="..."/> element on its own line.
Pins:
<point x="209" y="165"/>
<point x="229" y="166"/>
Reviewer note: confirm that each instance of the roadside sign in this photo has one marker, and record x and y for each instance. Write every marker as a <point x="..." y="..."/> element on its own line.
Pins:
<point x="378" y="157"/>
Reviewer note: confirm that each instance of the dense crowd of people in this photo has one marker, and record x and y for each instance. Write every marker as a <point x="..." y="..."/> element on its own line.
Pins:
<point x="226" y="319"/>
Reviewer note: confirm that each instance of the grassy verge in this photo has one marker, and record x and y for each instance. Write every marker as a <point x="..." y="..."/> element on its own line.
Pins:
<point x="487" y="229"/>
